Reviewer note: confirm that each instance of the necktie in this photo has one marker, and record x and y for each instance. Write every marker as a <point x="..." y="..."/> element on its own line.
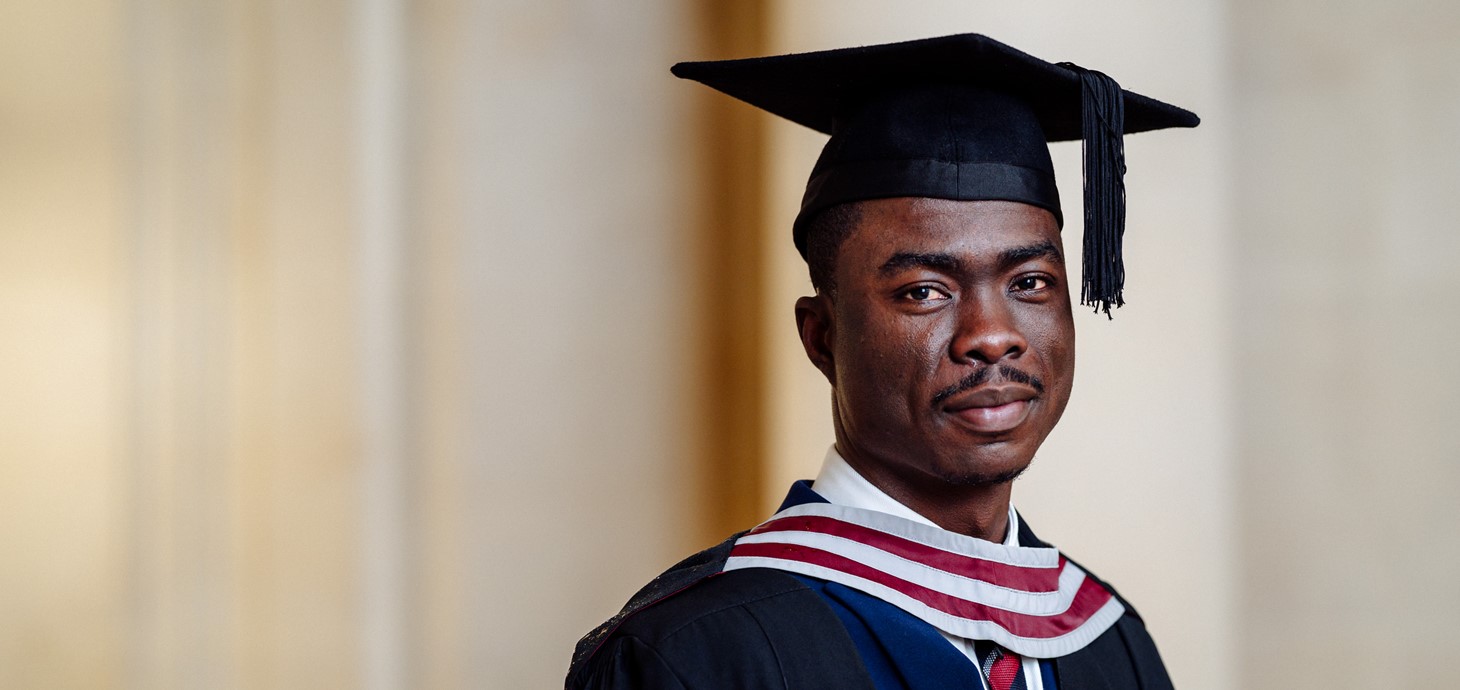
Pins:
<point x="1001" y="668"/>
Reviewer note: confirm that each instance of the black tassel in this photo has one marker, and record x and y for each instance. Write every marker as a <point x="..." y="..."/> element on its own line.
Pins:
<point x="1102" y="109"/>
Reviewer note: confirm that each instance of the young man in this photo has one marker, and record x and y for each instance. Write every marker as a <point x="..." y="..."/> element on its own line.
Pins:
<point x="942" y="318"/>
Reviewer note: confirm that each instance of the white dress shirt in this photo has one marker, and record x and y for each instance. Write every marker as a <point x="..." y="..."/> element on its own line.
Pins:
<point x="840" y="483"/>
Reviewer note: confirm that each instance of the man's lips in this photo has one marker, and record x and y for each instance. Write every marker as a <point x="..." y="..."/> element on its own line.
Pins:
<point x="992" y="409"/>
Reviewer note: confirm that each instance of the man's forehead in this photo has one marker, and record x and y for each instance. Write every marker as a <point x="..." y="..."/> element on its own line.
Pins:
<point x="977" y="229"/>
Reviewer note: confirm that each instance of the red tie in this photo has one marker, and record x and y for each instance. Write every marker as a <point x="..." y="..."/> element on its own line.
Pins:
<point x="1002" y="668"/>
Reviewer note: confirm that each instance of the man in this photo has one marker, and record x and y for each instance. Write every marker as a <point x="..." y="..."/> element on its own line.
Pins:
<point x="942" y="318"/>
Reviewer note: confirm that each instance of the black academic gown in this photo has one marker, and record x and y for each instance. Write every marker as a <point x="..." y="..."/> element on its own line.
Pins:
<point x="698" y="627"/>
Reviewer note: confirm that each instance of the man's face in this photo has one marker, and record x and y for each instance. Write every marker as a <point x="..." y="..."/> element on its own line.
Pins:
<point x="949" y="343"/>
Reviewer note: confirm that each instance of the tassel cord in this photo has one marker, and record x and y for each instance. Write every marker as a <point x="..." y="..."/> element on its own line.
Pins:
<point x="1102" y="127"/>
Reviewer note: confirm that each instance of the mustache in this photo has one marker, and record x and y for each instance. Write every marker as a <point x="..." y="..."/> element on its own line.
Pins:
<point x="986" y="374"/>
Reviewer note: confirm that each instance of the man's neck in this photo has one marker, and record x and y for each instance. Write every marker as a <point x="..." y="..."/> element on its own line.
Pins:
<point x="980" y="511"/>
<point x="977" y="511"/>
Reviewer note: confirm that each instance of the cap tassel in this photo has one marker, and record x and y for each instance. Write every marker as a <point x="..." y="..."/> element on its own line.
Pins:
<point x="1102" y="106"/>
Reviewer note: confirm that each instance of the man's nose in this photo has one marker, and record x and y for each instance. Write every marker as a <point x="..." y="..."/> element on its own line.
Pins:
<point x="987" y="332"/>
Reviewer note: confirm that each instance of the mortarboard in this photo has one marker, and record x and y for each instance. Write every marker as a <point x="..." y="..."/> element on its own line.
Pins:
<point x="960" y="117"/>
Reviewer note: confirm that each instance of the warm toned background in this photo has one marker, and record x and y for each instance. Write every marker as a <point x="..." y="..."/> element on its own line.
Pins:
<point x="383" y="344"/>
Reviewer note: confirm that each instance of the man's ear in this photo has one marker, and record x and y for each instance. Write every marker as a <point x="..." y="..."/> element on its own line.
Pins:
<point x="815" y="324"/>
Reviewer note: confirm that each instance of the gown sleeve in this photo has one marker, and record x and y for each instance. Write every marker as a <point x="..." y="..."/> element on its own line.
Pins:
<point x="628" y="663"/>
<point x="751" y="629"/>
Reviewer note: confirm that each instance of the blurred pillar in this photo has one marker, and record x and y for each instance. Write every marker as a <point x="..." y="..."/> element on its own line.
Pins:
<point x="184" y="435"/>
<point x="64" y="364"/>
<point x="558" y="448"/>
<point x="243" y="387"/>
<point x="732" y="333"/>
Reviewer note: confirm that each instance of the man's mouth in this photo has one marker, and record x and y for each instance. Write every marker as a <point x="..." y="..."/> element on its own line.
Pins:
<point x="993" y="409"/>
<point x="985" y="375"/>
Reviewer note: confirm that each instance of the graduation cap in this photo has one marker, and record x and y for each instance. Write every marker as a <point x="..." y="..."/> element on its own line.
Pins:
<point x="960" y="117"/>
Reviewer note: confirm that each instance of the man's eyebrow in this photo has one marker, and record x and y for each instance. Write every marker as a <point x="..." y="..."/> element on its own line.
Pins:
<point x="938" y="262"/>
<point x="1041" y="250"/>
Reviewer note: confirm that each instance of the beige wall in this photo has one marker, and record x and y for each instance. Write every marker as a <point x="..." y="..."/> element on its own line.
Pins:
<point x="1346" y="331"/>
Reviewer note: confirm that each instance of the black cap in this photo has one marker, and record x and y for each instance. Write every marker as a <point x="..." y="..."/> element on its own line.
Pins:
<point x="959" y="117"/>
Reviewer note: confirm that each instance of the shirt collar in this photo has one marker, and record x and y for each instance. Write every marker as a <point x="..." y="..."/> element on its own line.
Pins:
<point x="841" y="484"/>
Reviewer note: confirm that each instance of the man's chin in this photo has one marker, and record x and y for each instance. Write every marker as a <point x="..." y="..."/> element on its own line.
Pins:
<point x="982" y="471"/>
<point x="976" y="479"/>
<point x="986" y="461"/>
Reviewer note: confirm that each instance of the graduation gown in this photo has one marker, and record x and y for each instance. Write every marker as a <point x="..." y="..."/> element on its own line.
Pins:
<point x="698" y="626"/>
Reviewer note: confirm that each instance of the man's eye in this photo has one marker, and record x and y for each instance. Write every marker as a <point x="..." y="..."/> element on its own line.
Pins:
<point x="925" y="294"/>
<point x="1031" y="283"/>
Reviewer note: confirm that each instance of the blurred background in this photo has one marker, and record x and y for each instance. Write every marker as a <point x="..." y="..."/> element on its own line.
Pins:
<point x="384" y="344"/>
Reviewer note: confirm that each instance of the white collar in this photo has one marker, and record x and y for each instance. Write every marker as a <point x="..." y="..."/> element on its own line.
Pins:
<point x="841" y="484"/>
